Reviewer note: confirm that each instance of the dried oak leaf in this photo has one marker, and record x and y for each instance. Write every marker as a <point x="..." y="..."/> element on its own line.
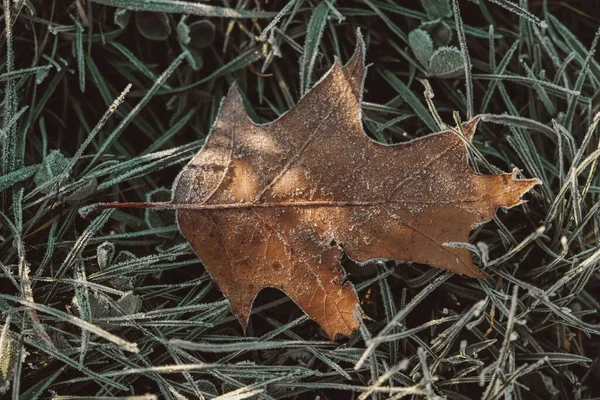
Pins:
<point x="281" y="201"/>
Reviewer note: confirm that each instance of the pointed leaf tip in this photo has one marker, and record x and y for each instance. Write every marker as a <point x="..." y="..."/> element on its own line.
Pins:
<point x="355" y="67"/>
<point x="232" y="108"/>
<point x="359" y="49"/>
<point x="234" y="92"/>
<point x="519" y="188"/>
<point x="470" y="127"/>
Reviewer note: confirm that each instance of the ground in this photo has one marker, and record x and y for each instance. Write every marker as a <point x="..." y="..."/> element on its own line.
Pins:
<point x="106" y="100"/>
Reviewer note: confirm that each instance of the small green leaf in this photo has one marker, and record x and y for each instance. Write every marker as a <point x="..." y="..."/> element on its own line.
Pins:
<point x="124" y="282"/>
<point x="41" y="74"/>
<point x="183" y="30"/>
<point x="84" y="191"/>
<point x="153" y="25"/>
<point x="207" y="386"/>
<point x="439" y="31"/>
<point x="202" y="34"/>
<point x="54" y="165"/>
<point x="193" y="57"/>
<point x="446" y="62"/>
<point x="99" y="306"/>
<point x="421" y="45"/>
<point x="102" y="308"/>
<point x="130" y="303"/>
<point x="104" y="254"/>
<point x="122" y="17"/>
<point x="437" y="8"/>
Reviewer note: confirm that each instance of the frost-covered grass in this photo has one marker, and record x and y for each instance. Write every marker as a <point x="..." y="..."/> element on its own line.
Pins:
<point x="103" y="104"/>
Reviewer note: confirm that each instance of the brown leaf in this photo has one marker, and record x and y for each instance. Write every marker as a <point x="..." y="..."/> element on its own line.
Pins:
<point x="278" y="203"/>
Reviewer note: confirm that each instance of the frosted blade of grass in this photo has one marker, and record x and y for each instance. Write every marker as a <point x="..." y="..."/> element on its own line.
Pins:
<point x="12" y="178"/>
<point x="573" y="45"/>
<point x="80" y="55"/>
<point x="172" y="312"/>
<point x="185" y="7"/>
<point x="580" y="80"/>
<point x="240" y="394"/>
<point x="393" y="337"/>
<point x="516" y="249"/>
<point x="314" y="32"/>
<point x="18" y="358"/>
<point x="24" y="72"/>
<point x="62" y="316"/>
<point x="27" y="294"/>
<point x="554" y="207"/>
<point x="401" y="366"/>
<point x="550" y="108"/>
<point x="411" y="100"/>
<point x="83" y="304"/>
<point x="174" y="130"/>
<point x="506" y="388"/>
<point x="10" y="122"/>
<point x="135" y="264"/>
<point x="521" y="122"/>
<point x="445" y="339"/>
<point x="269" y="28"/>
<point x="163" y="369"/>
<point x="35" y="391"/>
<point x="427" y="379"/>
<point x="499" y="365"/>
<point x="567" y="318"/>
<point x="7" y="356"/>
<point x="389" y="308"/>
<point x="252" y="346"/>
<point x="561" y="73"/>
<point x="117" y="132"/>
<point x="460" y="32"/>
<point x="592" y="173"/>
<point x="521" y="12"/>
<point x="8" y="163"/>
<point x="586" y="141"/>
<point x="137" y="166"/>
<point x="275" y="41"/>
<point x="393" y="27"/>
<point x="153" y="166"/>
<point x="137" y="62"/>
<point x="553" y="89"/>
<point x="395" y="322"/>
<point x="82" y="241"/>
<point x="113" y="107"/>
<point x="127" y="236"/>
<point x="558" y="358"/>
<point x="241" y="61"/>
<point x="55" y="353"/>
<point x="404" y="391"/>
<point x="108" y="93"/>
